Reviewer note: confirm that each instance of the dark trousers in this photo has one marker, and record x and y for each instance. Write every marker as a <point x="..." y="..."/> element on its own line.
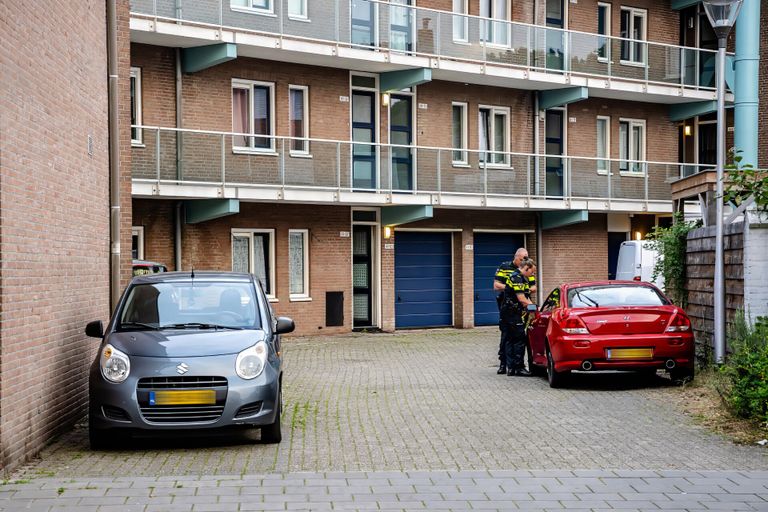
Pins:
<point x="515" y="342"/>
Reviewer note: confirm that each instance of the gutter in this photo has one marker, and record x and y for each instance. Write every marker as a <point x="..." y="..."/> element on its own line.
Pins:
<point x="114" y="156"/>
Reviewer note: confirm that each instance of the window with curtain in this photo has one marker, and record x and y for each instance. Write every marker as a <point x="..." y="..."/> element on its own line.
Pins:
<point x="604" y="29"/>
<point x="298" y="263"/>
<point x="297" y="8"/>
<point x="460" y="23"/>
<point x="496" y="30"/>
<point x="252" y="113"/>
<point x="299" y="122"/>
<point x="494" y="136"/>
<point x="459" y="133"/>
<point x="633" y="33"/>
<point x="632" y="145"/>
<point x="136" y="133"/>
<point x="603" y="143"/>
<point x="253" y="253"/>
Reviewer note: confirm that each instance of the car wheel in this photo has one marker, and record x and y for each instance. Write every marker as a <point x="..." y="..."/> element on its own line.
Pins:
<point x="556" y="379"/>
<point x="271" y="434"/>
<point x="681" y="375"/>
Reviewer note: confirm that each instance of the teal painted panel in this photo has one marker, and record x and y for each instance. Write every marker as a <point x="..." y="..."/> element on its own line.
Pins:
<point x="204" y="57"/>
<point x="202" y="210"/>
<point x="560" y="97"/>
<point x="397" y="80"/>
<point x="682" y="4"/>
<point x="684" y="111"/>
<point x="396" y="215"/>
<point x="557" y="219"/>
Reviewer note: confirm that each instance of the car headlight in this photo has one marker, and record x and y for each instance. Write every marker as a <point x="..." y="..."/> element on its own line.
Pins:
<point x="251" y="361"/>
<point x="115" y="365"/>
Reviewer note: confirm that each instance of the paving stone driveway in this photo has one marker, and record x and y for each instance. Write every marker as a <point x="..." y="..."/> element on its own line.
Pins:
<point x="390" y="407"/>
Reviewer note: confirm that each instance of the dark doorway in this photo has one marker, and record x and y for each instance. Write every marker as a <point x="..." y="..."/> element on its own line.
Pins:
<point x="614" y="244"/>
<point x="362" y="270"/>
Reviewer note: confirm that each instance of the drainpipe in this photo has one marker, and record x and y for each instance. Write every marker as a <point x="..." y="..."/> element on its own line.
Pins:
<point x="179" y="135"/>
<point x="114" y="157"/>
<point x="536" y="142"/>
<point x="177" y="238"/>
<point x="746" y="73"/>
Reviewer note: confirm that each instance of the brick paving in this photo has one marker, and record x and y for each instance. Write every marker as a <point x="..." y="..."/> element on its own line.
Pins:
<point x="419" y="421"/>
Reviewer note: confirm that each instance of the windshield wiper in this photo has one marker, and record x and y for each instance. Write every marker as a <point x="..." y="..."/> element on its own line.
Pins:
<point x="199" y="325"/>
<point x="139" y="324"/>
<point x="583" y="298"/>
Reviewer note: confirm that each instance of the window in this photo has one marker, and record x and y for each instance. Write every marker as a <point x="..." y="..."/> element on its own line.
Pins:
<point x="604" y="29"/>
<point x="459" y="133"/>
<point x="298" y="263"/>
<point x="460" y="23"/>
<point x="633" y="34"/>
<point x="137" y="242"/>
<point x="297" y="9"/>
<point x="299" y="119"/>
<point x="258" y="6"/>
<point x="136" y="133"/>
<point x="632" y="145"/>
<point x="603" y="144"/>
<point x="494" y="135"/>
<point x="253" y="252"/>
<point x="252" y="106"/>
<point x="495" y="32"/>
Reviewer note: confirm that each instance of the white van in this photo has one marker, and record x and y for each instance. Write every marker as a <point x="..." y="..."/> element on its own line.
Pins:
<point x="636" y="262"/>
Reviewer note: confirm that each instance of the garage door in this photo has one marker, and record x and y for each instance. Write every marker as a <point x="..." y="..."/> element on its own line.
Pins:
<point x="490" y="250"/>
<point x="423" y="282"/>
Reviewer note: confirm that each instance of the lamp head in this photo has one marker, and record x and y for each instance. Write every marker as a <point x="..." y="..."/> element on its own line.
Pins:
<point x="722" y="15"/>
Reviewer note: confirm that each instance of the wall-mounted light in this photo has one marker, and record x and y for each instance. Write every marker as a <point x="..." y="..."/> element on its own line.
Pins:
<point x="387" y="232"/>
<point x="385" y="99"/>
<point x="638" y="236"/>
<point x="687" y="130"/>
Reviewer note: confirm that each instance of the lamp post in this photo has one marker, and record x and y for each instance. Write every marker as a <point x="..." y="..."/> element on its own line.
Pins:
<point x="722" y="15"/>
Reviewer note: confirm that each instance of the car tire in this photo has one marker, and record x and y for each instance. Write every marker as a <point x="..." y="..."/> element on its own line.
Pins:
<point x="556" y="379"/>
<point x="681" y="376"/>
<point x="271" y="434"/>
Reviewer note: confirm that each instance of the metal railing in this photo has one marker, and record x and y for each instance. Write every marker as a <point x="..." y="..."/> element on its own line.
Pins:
<point x="395" y="28"/>
<point x="245" y="160"/>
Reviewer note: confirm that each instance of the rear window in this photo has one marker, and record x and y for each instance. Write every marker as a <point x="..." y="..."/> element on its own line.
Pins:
<point x="160" y="305"/>
<point x="614" y="295"/>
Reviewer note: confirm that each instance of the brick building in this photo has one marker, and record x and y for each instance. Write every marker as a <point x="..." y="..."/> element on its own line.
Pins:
<point x="371" y="162"/>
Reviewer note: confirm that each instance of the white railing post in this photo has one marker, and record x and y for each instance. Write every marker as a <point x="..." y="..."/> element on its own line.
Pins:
<point x="157" y="153"/>
<point x="485" y="179"/>
<point x="645" y="168"/>
<point x="609" y="54"/>
<point x="338" y="167"/>
<point x="391" y="187"/>
<point x="439" y="171"/>
<point x="530" y="46"/>
<point x="437" y="32"/>
<point x="282" y="164"/>
<point x="528" y="176"/>
<point x="223" y="159"/>
<point x="646" y="60"/>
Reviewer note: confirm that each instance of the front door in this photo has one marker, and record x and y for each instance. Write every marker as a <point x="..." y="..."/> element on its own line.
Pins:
<point x="362" y="271"/>
<point x="363" y="23"/>
<point x="401" y="26"/>
<point x="401" y="134"/>
<point x="554" y="146"/>
<point x="363" y="131"/>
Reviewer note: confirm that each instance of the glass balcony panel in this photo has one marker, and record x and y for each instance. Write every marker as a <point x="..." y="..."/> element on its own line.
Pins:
<point x="585" y="180"/>
<point x="589" y="54"/>
<point x="665" y="64"/>
<point x="318" y="169"/>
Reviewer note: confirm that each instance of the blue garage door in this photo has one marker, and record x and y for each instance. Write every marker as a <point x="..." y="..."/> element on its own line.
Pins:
<point x="423" y="283"/>
<point x="490" y="250"/>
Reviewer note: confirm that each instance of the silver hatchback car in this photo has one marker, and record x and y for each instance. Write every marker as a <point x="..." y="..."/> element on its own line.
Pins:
<point x="187" y="351"/>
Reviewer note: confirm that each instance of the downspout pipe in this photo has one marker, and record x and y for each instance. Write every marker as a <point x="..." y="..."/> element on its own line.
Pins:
<point x="747" y="71"/>
<point x="114" y="156"/>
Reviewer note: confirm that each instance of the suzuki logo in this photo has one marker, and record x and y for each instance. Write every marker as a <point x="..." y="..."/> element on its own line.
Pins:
<point x="182" y="369"/>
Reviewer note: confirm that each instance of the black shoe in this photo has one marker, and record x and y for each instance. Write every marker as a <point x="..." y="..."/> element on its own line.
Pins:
<point x="502" y="370"/>
<point x="511" y="372"/>
<point x="522" y="372"/>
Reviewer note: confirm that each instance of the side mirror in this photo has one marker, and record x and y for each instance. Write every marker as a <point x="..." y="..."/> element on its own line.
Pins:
<point x="284" y="325"/>
<point x="531" y="308"/>
<point x="95" y="329"/>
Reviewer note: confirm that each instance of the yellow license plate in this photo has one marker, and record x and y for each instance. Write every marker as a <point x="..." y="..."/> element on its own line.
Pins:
<point x="187" y="397"/>
<point x="621" y="354"/>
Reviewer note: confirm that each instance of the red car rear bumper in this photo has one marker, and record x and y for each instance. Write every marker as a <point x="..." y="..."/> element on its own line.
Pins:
<point x="571" y="352"/>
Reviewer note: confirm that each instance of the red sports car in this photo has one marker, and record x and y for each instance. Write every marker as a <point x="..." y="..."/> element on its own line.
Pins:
<point x="610" y="325"/>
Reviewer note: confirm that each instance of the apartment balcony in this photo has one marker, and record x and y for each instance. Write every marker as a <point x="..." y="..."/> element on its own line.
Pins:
<point x="454" y="47"/>
<point x="290" y="170"/>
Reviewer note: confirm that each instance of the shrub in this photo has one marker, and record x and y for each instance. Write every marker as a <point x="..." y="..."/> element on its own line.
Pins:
<point x="671" y="245"/>
<point x="746" y="368"/>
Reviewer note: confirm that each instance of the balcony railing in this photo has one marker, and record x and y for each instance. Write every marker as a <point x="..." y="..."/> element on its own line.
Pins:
<point x="406" y="30"/>
<point x="228" y="159"/>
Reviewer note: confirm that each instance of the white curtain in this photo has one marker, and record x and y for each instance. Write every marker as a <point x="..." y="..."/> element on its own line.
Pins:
<point x="296" y="263"/>
<point x="259" y="261"/>
<point x="239" y="116"/>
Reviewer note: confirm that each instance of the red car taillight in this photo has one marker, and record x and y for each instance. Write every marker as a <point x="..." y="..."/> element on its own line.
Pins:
<point x="679" y="323"/>
<point x="574" y="325"/>
<point x="636" y="278"/>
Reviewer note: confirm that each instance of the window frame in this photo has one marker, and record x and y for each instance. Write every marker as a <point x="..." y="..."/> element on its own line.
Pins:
<point x="607" y="157"/>
<point x="625" y="168"/>
<point x="464" y="161"/>
<point x="484" y="39"/>
<point x="493" y="111"/>
<point x="239" y="83"/>
<point x="463" y="20"/>
<point x="306" y="296"/>
<point x="607" y="34"/>
<point x="299" y="17"/>
<point x="305" y="136"/>
<point x="249" y="233"/>
<point x="268" y="11"/>
<point x="136" y="107"/>
<point x="138" y="231"/>
<point x="629" y="40"/>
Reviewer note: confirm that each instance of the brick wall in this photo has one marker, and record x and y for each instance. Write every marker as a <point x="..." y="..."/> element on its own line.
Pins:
<point x="55" y="217"/>
<point x="208" y="246"/>
<point x="575" y="253"/>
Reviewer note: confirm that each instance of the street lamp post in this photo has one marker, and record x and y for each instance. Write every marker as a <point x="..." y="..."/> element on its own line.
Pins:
<point x="722" y="15"/>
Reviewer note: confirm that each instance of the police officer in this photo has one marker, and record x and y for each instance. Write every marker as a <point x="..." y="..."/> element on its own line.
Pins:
<point x="516" y="298"/>
<point x="503" y="273"/>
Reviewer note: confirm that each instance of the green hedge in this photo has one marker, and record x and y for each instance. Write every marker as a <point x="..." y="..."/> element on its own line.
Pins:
<point x="746" y="368"/>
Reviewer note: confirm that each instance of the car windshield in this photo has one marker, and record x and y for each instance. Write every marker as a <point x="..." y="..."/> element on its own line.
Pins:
<point x="190" y="305"/>
<point x="614" y="296"/>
